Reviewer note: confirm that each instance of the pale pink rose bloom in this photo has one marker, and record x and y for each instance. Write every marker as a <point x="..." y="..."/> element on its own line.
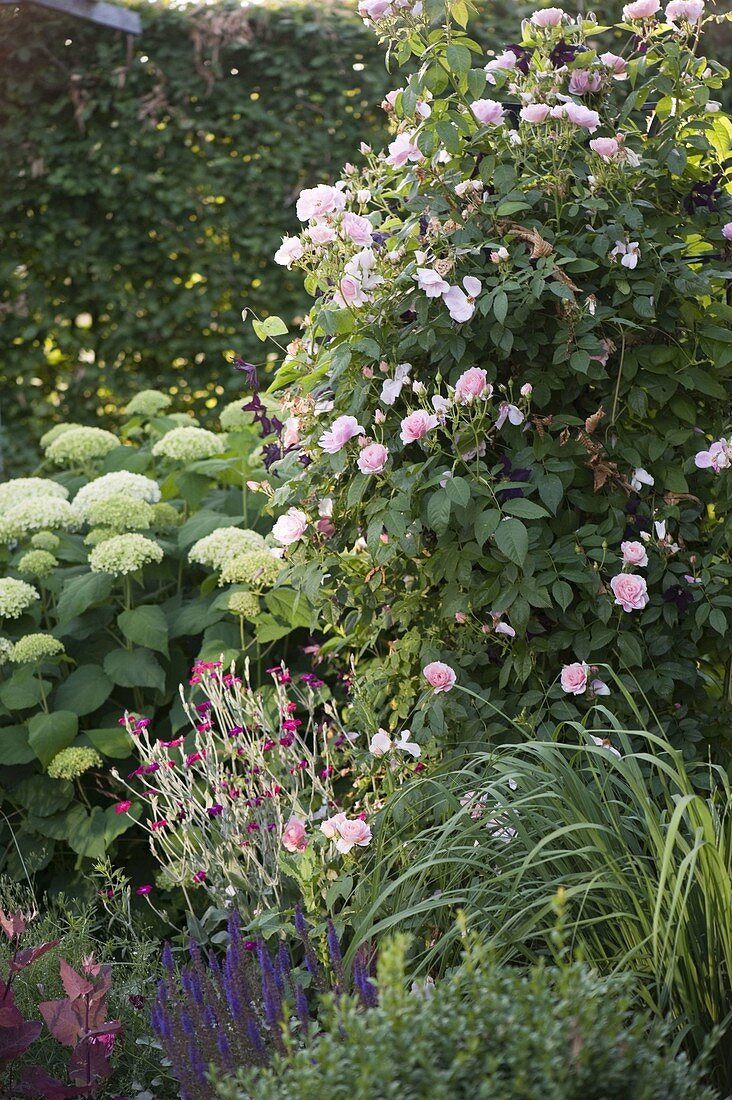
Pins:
<point x="559" y="111"/>
<point x="461" y="304"/>
<point x="430" y="282"/>
<point x="727" y="231"/>
<point x="439" y="676"/>
<point x="582" y="116"/>
<point x="599" y="687"/>
<point x="690" y="10"/>
<point x="534" y="113"/>
<point x="321" y="234"/>
<point x="629" y="253"/>
<point x="315" y="202"/>
<point x="641" y="9"/>
<point x="526" y="390"/>
<point x="547" y="17"/>
<point x="488" y="112"/>
<point x="505" y="628"/>
<point x="380" y="743"/>
<point x="329" y="827"/>
<point x="293" y="837"/>
<point x="472" y="384"/>
<point x="630" y="591"/>
<point x="583" y="81"/>
<point x="574" y="678"/>
<point x="374" y="9"/>
<point x="358" y="228"/>
<point x="350" y="292"/>
<point x="402" y="149"/>
<point x="441" y="405"/>
<point x="339" y="433"/>
<point x="634" y="553"/>
<point x="290" y="527"/>
<point x="373" y="459"/>
<point x="607" y="147"/>
<point x="505" y="61"/>
<point x="417" y="425"/>
<point x="615" y="62"/>
<point x="510" y="413"/>
<point x="352" y="833"/>
<point x="291" y="432"/>
<point x="289" y="251"/>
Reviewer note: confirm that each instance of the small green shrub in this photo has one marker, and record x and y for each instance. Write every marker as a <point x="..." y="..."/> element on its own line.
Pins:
<point x="559" y="1033"/>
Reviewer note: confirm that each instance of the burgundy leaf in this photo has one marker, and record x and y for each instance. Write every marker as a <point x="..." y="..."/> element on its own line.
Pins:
<point x="66" y="1019"/>
<point x="14" y="1041"/>
<point x="90" y="1062"/>
<point x="9" y="1014"/>
<point x="112" y="1027"/>
<point x="30" y="954"/>
<point x="37" y="1084"/>
<point x="73" y="983"/>
<point x="13" y="924"/>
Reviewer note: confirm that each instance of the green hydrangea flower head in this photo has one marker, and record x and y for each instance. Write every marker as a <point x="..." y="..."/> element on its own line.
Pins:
<point x="257" y="568"/>
<point x="32" y="648"/>
<point x="37" y="563"/>
<point x="233" y="419"/>
<point x="123" y="554"/>
<point x="6" y="648"/>
<point x="99" y="534"/>
<point x="223" y="544"/>
<point x="34" y="514"/>
<point x="189" y="445"/>
<point x="72" y="762"/>
<point x="121" y="512"/>
<point x="15" y="597"/>
<point x="244" y="604"/>
<point x="185" y="420"/>
<point x="53" y="434"/>
<point x="79" y="446"/>
<point x="132" y="485"/>
<point x="45" y="540"/>
<point x="19" y="490"/>
<point x="148" y="403"/>
<point x="165" y="516"/>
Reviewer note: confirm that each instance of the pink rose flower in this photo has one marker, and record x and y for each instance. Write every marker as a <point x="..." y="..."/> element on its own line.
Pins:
<point x="358" y="228"/>
<point x="352" y="833"/>
<point x="380" y="743"/>
<point x="547" y="17"/>
<point x="433" y="285"/>
<point x="582" y="116"/>
<point x="472" y="384"/>
<point x="330" y="826"/>
<point x="416" y="426"/>
<point x="640" y="9"/>
<point x="321" y="234"/>
<point x="290" y="250"/>
<point x="290" y="527"/>
<point x="634" y="553"/>
<point x="574" y="678"/>
<point x="526" y="390"/>
<point x="373" y="459"/>
<point x="630" y="591"/>
<point x="488" y="112"/>
<point x="374" y="9"/>
<point x="293" y="837"/>
<point x="461" y="304"/>
<point x="690" y="10"/>
<point x="727" y="231"/>
<point x="607" y="148"/>
<point x="509" y="412"/>
<point x="534" y="113"/>
<point x="315" y="202"/>
<point x="616" y="63"/>
<point x="505" y="61"/>
<point x="341" y="430"/>
<point x="350" y="292"/>
<point x="439" y="676"/>
<point x="291" y="432"/>
<point x="583" y="81"/>
<point x="402" y="149"/>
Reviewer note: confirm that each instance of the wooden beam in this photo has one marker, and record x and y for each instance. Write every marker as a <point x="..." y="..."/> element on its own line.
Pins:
<point x="96" y="11"/>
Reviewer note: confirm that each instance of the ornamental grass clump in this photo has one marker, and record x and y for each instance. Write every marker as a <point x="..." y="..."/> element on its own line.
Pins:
<point x="518" y="340"/>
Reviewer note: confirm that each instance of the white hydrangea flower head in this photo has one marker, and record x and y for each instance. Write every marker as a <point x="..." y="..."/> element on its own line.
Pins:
<point x="233" y="419"/>
<point x="6" y="648"/>
<point x="20" y="489"/>
<point x="45" y="540"/>
<point x="37" y="563"/>
<point x="32" y="648"/>
<point x="72" y="762"/>
<point x="148" y="403"/>
<point x="53" y="433"/>
<point x="244" y="604"/>
<point x="15" y="597"/>
<point x="223" y="544"/>
<point x="121" y="512"/>
<point x="165" y="515"/>
<point x="184" y="419"/>
<point x="99" y="534"/>
<point x="123" y="554"/>
<point x="37" y="514"/>
<point x="189" y="444"/>
<point x="110" y="485"/>
<point x="78" y="446"/>
<point x="258" y="568"/>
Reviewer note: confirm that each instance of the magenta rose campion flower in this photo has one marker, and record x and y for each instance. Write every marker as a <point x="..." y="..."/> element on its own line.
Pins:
<point x="488" y="112"/>
<point x="373" y="459"/>
<point x="341" y="430"/>
<point x="417" y="425"/>
<point x="641" y="9"/>
<point x="352" y="834"/>
<point x="316" y="202"/>
<point x="290" y="527"/>
<point x="630" y="591"/>
<point x="471" y="385"/>
<point x="293" y="836"/>
<point x="634" y="553"/>
<point x="574" y="678"/>
<point x="534" y="113"/>
<point x="439" y="676"/>
<point x="547" y="17"/>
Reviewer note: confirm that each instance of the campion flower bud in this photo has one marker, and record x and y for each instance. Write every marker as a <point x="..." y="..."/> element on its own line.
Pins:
<point x="189" y="445"/>
<point x="124" y="554"/>
<point x="148" y="403"/>
<point x="15" y="597"/>
<point x="72" y="762"/>
<point x="32" y="648"/>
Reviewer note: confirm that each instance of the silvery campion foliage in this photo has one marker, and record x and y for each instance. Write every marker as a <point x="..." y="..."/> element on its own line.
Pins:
<point x="519" y="319"/>
<point x="226" y="800"/>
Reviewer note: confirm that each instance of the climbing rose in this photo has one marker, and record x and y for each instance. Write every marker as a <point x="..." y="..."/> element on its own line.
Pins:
<point x="293" y="837"/>
<point x="314" y="202"/>
<point x="402" y="149"/>
<point x="290" y="250"/>
<point x="342" y="429"/>
<point x="460" y="304"/>
<point x="547" y="17"/>
<point x="430" y="282"/>
<point x="471" y="384"/>
<point x="373" y="459"/>
<point x="417" y="425"/>
<point x="329" y="827"/>
<point x="534" y="113"/>
<point x="630" y="591"/>
<point x="290" y="527"/>
<point x="607" y="148"/>
<point x="352" y="833"/>
<point x="582" y="116"/>
<point x="727" y="231"/>
<point x="634" y="553"/>
<point x="358" y="228"/>
<point x="641" y="9"/>
<point x="615" y="62"/>
<point x="574" y="678"/>
<point x="439" y="676"/>
<point x="691" y="10"/>
<point x="488" y="112"/>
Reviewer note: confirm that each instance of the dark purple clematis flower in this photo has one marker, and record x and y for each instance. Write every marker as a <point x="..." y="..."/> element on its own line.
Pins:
<point x="379" y="239"/>
<point x="523" y="56"/>
<point x="408" y="316"/>
<point x="250" y="371"/>
<point x="511" y="473"/>
<point x="679" y="596"/>
<point x="564" y="53"/>
<point x="272" y="452"/>
<point x="703" y="196"/>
